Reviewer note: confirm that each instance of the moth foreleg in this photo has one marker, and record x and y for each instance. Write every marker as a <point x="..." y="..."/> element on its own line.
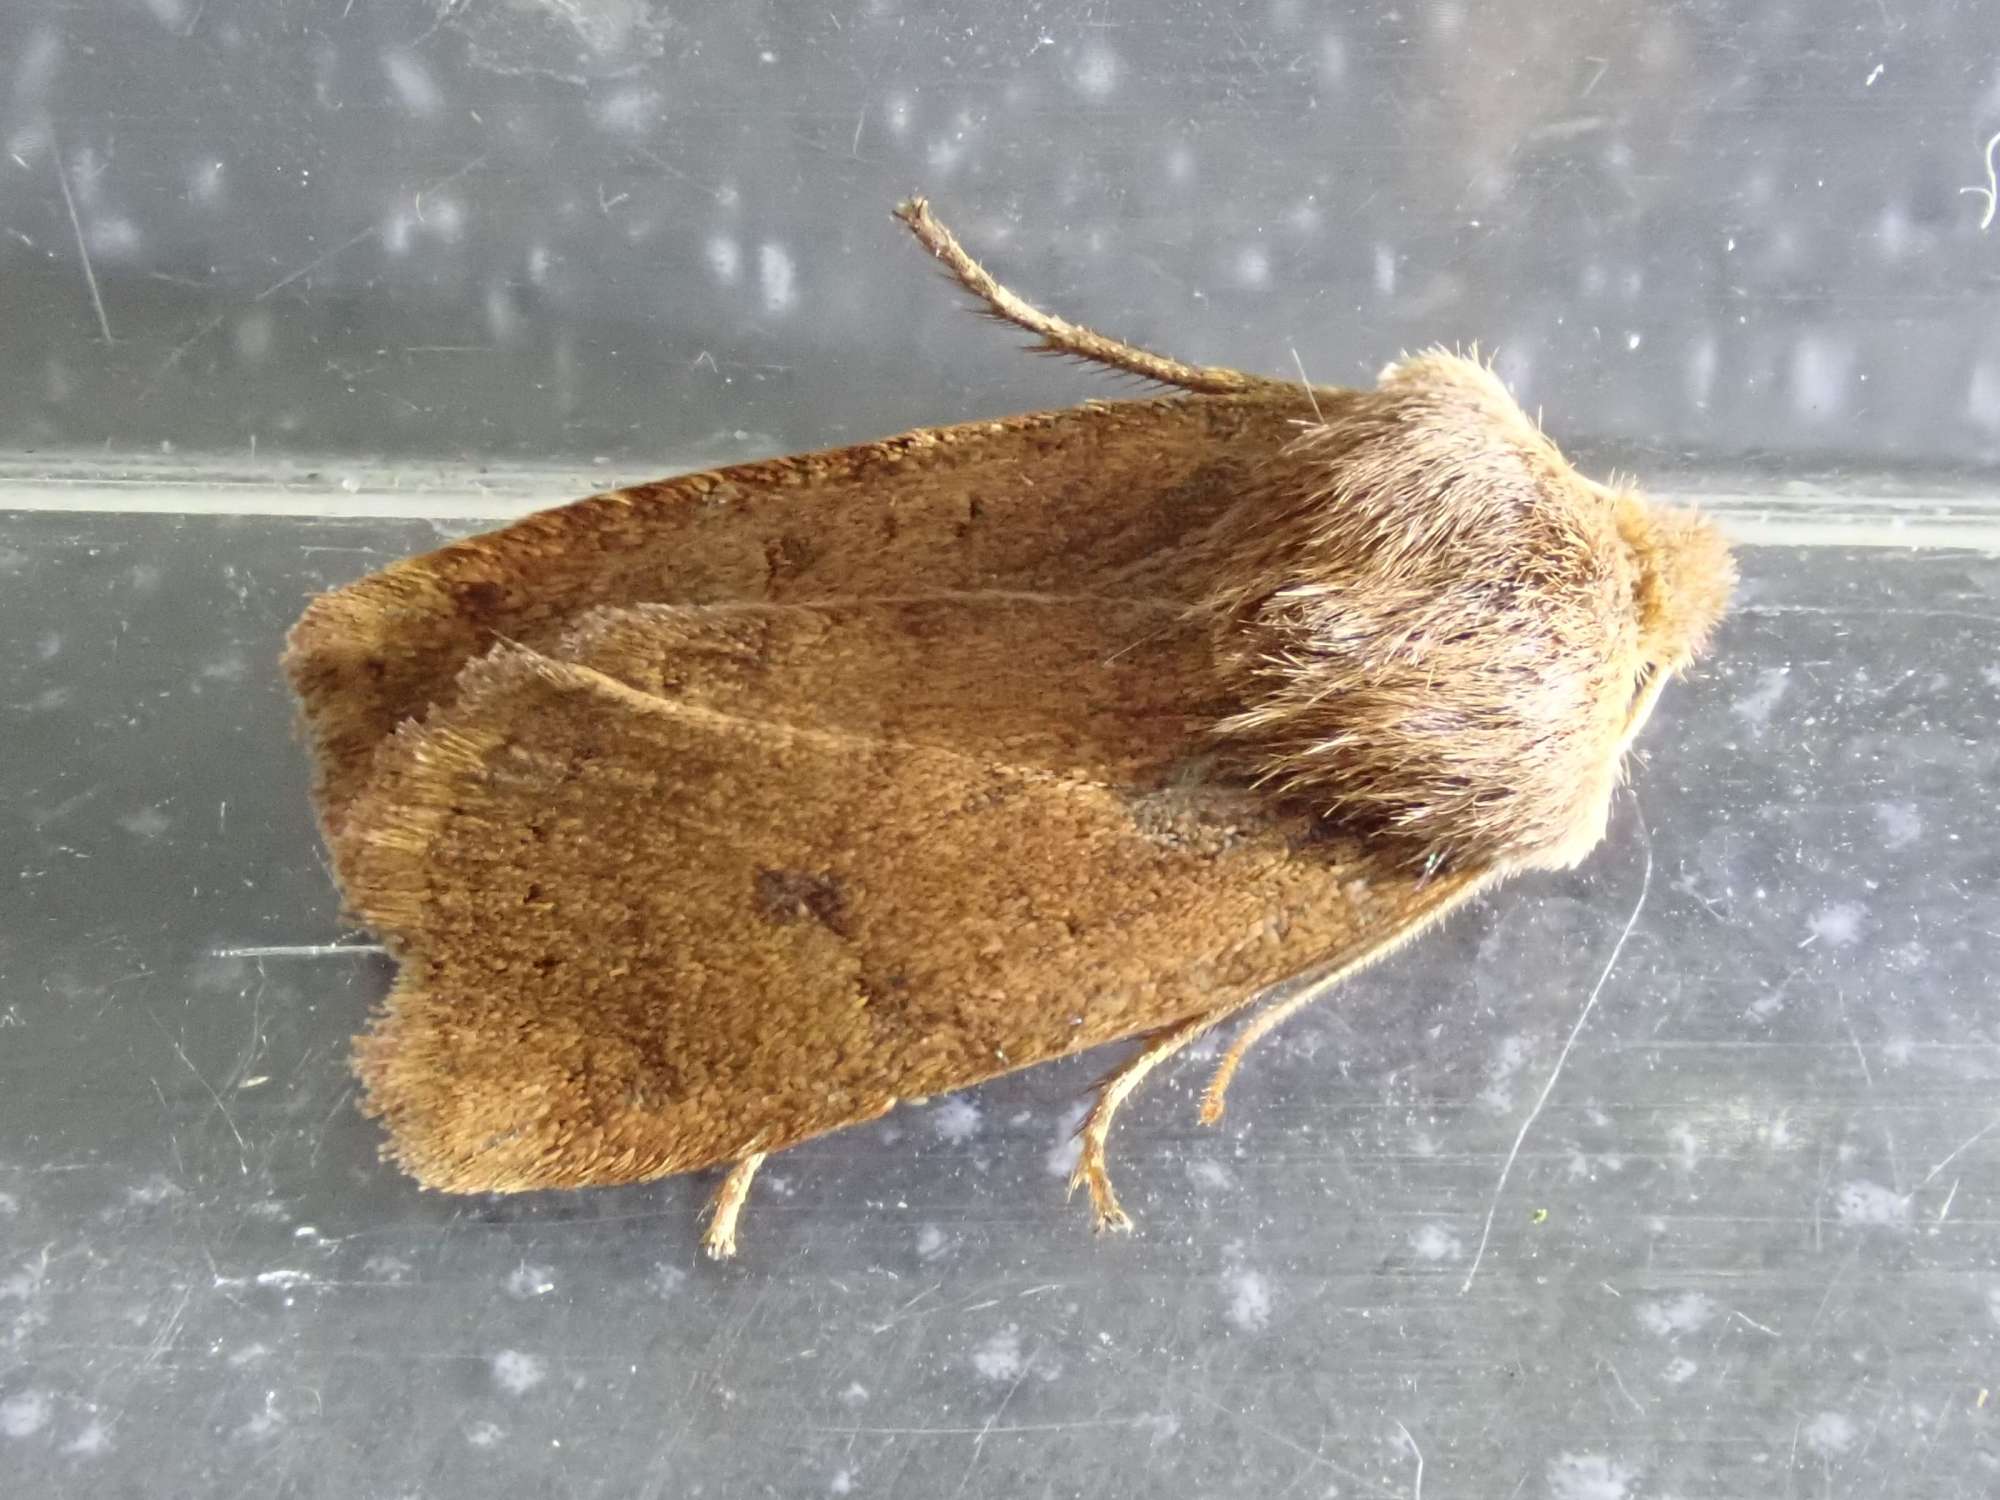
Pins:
<point x="726" y="1206"/>
<point x="1090" y="1170"/>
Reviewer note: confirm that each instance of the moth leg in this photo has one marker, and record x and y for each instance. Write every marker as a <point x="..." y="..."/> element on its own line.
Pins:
<point x="1462" y="888"/>
<point x="724" y="1208"/>
<point x="1058" y="335"/>
<point x="1260" y="1027"/>
<point x="1090" y="1170"/>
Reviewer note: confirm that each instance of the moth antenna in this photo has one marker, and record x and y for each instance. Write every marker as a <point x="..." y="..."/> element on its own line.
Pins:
<point x="1058" y="335"/>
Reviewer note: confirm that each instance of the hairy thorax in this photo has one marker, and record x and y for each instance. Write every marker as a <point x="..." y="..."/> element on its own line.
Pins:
<point x="1440" y="633"/>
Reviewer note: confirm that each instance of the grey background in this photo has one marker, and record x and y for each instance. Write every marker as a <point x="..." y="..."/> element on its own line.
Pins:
<point x="1699" y="234"/>
<point x="429" y="258"/>
<point x="1750" y="1247"/>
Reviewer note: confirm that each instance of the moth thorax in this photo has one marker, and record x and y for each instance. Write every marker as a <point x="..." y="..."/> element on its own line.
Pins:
<point x="1428" y="629"/>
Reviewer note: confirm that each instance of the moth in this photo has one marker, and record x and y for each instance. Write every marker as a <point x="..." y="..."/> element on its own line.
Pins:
<point x="708" y="816"/>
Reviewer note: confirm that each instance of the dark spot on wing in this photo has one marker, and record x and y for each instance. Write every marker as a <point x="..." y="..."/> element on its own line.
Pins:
<point x="785" y="896"/>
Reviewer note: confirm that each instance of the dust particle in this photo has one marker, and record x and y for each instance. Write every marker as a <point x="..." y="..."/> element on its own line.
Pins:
<point x="1676" y="1315"/>
<point x="1589" y="1476"/>
<point x="1249" y="1300"/>
<point x="999" y="1358"/>
<point x="517" y="1373"/>
<point x="24" y="1415"/>
<point x="1435" y="1242"/>
<point x="956" y="1120"/>
<point x="531" y="1281"/>
<point x="1870" y="1203"/>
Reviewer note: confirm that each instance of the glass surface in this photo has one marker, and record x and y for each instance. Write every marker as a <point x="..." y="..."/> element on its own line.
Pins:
<point x="290" y="288"/>
<point x="570" y="229"/>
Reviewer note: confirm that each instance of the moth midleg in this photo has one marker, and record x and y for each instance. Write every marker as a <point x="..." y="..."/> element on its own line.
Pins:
<point x="1059" y="335"/>
<point x="726" y="1206"/>
<point x="1468" y="885"/>
<point x="1091" y="1170"/>
<point x="1261" y="1026"/>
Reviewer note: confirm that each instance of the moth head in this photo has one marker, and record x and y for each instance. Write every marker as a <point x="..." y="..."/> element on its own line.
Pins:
<point x="1682" y="576"/>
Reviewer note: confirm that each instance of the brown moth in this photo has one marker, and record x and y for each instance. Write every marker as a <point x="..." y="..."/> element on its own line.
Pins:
<point x="711" y="815"/>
